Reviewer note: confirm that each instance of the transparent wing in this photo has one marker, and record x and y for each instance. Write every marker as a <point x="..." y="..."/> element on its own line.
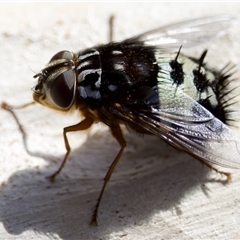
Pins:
<point x="185" y="124"/>
<point x="188" y="33"/>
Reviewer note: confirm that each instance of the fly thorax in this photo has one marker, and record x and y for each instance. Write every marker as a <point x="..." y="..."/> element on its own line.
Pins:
<point x="89" y="74"/>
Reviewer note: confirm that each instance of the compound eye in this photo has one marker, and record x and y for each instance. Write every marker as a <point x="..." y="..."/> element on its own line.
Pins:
<point x="62" y="55"/>
<point x="62" y="91"/>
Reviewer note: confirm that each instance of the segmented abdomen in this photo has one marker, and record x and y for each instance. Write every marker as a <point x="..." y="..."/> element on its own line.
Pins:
<point x="191" y="76"/>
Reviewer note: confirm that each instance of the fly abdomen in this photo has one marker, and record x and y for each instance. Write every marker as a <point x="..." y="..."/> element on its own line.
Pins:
<point x="207" y="87"/>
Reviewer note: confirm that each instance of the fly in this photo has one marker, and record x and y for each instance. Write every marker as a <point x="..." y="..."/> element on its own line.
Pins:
<point x="146" y="84"/>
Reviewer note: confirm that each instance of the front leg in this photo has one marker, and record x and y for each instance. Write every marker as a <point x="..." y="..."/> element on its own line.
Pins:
<point x="83" y="125"/>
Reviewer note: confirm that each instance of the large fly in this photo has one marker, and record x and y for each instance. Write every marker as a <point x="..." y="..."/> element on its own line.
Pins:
<point x="146" y="84"/>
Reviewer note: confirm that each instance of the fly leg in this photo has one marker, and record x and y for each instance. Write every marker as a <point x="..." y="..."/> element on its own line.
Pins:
<point x="228" y="175"/>
<point x="11" y="109"/>
<point x="111" y="21"/>
<point x="117" y="134"/>
<point x="7" y="107"/>
<point x="83" y="125"/>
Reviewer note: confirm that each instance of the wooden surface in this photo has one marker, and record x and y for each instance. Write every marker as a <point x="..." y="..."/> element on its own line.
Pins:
<point x="156" y="192"/>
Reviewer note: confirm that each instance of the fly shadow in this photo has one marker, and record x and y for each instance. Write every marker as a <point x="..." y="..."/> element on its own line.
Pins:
<point x="150" y="177"/>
